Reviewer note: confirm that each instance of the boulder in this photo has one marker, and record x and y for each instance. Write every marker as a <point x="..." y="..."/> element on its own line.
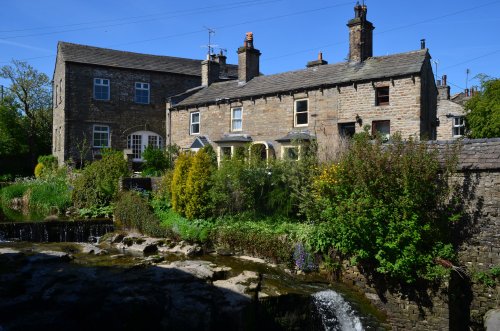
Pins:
<point x="492" y="320"/>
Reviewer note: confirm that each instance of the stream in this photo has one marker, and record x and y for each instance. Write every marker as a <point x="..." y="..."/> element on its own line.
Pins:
<point x="82" y="284"/>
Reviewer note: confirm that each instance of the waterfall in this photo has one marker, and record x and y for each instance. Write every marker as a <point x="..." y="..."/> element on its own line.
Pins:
<point x="55" y="231"/>
<point x="336" y="313"/>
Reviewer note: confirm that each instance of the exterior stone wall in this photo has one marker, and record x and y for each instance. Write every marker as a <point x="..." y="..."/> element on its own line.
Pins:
<point x="446" y="110"/>
<point x="461" y="302"/>
<point x="81" y="111"/>
<point x="59" y="106"/>
<point x="272" y="117"/>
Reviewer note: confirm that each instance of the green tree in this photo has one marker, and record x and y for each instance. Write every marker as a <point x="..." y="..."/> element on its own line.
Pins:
<point x="12" y="138"/>
<point x="178" y="185"/>
<point x="198" y="185"/>
<point x="483" y="119"/>
<point x="31" y="91"/>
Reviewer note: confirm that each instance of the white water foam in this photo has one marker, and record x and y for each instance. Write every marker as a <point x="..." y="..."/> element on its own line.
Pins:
<point x="335" y="312"/>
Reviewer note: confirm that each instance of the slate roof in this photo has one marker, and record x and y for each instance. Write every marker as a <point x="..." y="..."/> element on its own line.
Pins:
<point x="325" y="75"/>
<point x="121" y="59"/>
<point x="234" y="138"/>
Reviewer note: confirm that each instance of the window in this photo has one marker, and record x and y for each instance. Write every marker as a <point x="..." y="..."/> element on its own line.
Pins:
<point x="194" y="127"/>
<point x="236" y="119"/>
<point x="347" y="130"/>
<point x="225" y="152"/>
<point x="458" y="126"/>
<point x="291" y="153"/>
<point x="101" y="136"/>
<point x="382" y="96"/>
<point x="301" y="113"/>
<point x="382" y="129"/>
<point x="142" y="93"/>
<point x="138" y="141"/>
<point x="101" y="89"/>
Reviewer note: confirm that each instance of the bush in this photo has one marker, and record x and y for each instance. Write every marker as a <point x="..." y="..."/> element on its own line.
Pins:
<point x="385" y="206"/>
<point x="43" y="196"/>
<point x="184" y="229"/>
<point x="158" y="160"/>
<point x="198" y="184"/>
<point x="97" y="185"/>
<point x="133" y="212"/>
<point x="179" y="180"/>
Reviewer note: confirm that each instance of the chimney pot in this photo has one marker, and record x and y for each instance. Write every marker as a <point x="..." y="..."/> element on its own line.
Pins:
<point x="422" y="43"/>
<point x="444" y="80"/>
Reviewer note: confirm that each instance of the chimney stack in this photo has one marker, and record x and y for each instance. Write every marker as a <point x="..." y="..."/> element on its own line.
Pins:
<point x="221" y="59"/>
<point x="443" y="89"/>
<point x="318" y="62"/>
<point x="422" y="43"/>
<point x="248" y="60"/>
<point x="360" y="35"/>
<point x="209" y="71"/>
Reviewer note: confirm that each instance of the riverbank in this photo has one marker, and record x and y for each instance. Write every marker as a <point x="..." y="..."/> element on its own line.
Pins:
<point x="60" y="286"/>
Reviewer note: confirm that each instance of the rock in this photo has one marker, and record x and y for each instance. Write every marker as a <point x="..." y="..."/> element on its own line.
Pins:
<point x="243" y="284"/>
<point x="155" y="259"/>
<point x="150" y="249"/>
<point x="492" y="320"/>
<point x="117" y="238"/>
<point x="91" y="249"/>
<point x="8" y="250"/>
<point x="221" y="272"/>
<point x="251" y="259"/>
<point x="224" y="252"/>
<point x="182" y="248"/>
<point x="50" y="256"/>
<point x="198" y="269"/>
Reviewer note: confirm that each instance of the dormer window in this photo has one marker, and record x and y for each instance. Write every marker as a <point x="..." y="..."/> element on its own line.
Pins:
<point x="382" y="96"/>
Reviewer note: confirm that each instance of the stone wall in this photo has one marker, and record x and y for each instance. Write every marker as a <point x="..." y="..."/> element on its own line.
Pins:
<point x="461" y="302"/>
<point x="79" y="111"/>
<point x="272" y="117"/>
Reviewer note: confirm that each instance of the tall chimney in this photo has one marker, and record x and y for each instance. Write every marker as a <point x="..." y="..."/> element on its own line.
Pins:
<point x="422" y="43"/>
<point x="443" y="89"/>
<point x="360" y="35"/>
<point x="209" y="71"/>
<point x="248" y="60"/>
<point x="221" y="59"/>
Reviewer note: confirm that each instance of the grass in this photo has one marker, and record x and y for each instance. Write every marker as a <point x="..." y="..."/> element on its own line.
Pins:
<point x="44" y="196"/>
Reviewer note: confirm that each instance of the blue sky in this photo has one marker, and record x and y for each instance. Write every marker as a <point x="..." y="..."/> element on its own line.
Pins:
<point x="460" y="34"/>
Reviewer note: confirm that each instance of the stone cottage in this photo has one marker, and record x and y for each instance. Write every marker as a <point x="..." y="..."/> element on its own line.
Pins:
<point x="450" y="111"/>
<point x="107" y="98"/>
<point x="324" y="102"/>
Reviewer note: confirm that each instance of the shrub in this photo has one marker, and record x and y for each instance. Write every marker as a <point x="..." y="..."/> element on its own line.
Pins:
<point x="158" y="160"/>
<point x="385" y="205"/>
<point x="133" y="212"/>
<point x="47" y="166"/>
<point x="198" y="184"/>
<point x="98" y="183"/>
<point x="43" y="196"/>
<point x="184" y="229"/>
<point x="179" y="179"/>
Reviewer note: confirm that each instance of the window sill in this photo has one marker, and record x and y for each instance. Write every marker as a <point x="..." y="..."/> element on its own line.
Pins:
<point x="300" y="125"/>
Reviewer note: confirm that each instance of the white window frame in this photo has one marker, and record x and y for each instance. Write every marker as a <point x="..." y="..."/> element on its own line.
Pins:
<point x="191" y="123"/>
<point x="107" y="131"/>
<point x="101" y="82"/>
<point x="458" y="127"/>
<point x="235" y="120"/>
<point x="145" y="140"/>
<point x="295" y="124"/>
<point x="143" y="87"/>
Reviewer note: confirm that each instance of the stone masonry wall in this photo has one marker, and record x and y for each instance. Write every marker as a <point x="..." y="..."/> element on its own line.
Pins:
<point x="461" y="302"/>
<point x="58" y="113"/>
<point x="120" y="113"/>
<point x="271" y="118"/>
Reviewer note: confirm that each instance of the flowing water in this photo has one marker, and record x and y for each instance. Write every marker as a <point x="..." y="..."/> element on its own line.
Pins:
<point x="335" y="312"/>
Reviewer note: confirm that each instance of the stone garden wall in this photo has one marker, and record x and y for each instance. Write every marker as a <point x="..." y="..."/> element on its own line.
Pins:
<point x="461" y="302"/>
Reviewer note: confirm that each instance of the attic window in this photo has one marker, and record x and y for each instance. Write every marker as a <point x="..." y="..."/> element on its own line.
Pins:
<point x="382" y="96"/>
